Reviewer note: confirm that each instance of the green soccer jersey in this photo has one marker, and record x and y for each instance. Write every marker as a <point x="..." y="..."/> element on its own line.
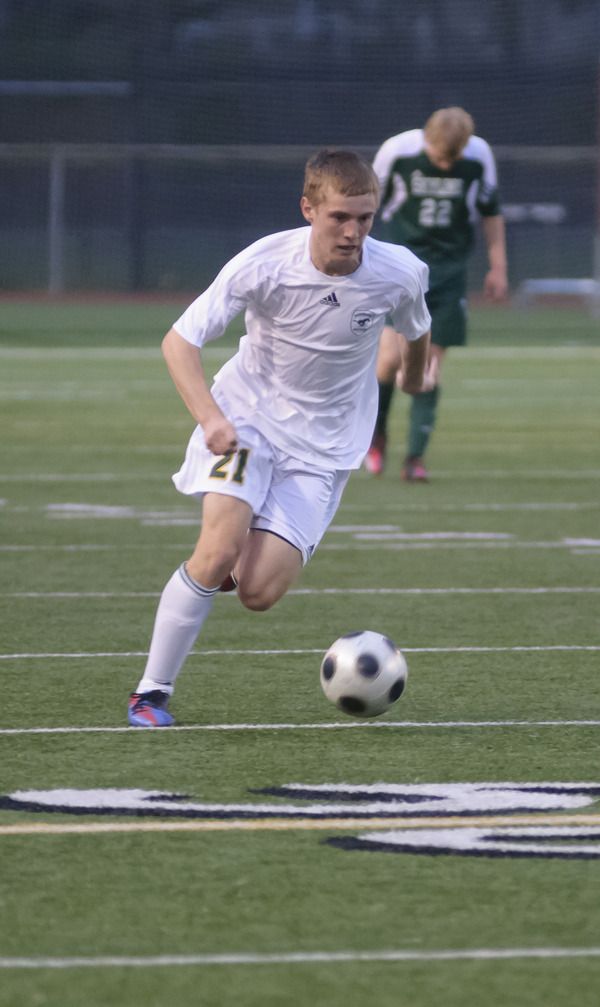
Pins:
<point x="432" y="211"/>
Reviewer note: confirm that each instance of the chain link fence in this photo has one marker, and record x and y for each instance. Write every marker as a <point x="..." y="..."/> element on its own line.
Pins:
<point x="151" y="217"/>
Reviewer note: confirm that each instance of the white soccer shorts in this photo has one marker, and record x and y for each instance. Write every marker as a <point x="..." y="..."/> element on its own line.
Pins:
<point x="288" y="497"/>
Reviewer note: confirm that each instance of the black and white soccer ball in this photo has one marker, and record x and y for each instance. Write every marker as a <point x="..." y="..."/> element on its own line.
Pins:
<point x="363" y="673"/>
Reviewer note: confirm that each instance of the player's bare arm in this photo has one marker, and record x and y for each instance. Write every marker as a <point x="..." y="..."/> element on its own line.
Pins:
<point x="496" y="280"/>
<point x="415" y="374"/>
<point x="187" y="372"/>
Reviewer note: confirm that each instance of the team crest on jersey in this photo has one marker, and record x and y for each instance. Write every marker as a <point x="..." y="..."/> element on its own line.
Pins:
<point x="362" y="320"/>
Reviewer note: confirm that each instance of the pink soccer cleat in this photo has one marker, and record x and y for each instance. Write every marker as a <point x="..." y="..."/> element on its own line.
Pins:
<point x="375" y="458"/>
<point x="413" y="471"/>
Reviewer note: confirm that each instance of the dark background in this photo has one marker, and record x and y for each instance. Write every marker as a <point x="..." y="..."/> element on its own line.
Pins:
<point x="250" y="88"/>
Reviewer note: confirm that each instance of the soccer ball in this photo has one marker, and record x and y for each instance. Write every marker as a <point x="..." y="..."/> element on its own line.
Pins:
<point x="363" y="673"/>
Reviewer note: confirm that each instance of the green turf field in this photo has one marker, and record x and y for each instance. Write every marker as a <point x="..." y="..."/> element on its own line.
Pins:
<point x="265" y="893"/>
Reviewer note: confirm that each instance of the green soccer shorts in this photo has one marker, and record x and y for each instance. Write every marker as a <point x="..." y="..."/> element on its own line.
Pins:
<point x="447" y="303"/>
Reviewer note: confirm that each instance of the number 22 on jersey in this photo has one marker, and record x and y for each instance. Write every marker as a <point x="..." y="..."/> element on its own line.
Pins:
<point x="435" y="212"/>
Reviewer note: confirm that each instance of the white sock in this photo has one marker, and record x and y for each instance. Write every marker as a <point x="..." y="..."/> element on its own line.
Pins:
<point x="183" y="607"/>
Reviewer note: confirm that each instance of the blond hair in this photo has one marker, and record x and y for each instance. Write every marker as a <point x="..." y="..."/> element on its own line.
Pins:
<point x="343" y="170"/>
<point x="450" y="129"/>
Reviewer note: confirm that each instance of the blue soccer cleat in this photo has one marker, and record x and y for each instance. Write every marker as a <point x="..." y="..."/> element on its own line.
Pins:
<point x="149" y="709"/>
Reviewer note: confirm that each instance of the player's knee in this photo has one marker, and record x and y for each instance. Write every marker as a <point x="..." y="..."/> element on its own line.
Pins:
<point x="212" y="566"/>
<point x="258" y="599"/>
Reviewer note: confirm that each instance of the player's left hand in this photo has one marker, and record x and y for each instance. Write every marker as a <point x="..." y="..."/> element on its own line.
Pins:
<point x="495" y="285"/>
<point x="407" y="383"/>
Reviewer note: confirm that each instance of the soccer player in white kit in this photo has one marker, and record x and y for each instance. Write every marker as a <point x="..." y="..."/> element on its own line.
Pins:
<point x="291" y="414"/>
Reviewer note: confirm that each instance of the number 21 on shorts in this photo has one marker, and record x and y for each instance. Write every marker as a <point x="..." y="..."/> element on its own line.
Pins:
<point x="231" y="466"/>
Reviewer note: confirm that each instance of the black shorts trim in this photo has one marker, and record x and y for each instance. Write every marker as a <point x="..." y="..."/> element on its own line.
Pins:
<point x="268" y="531"/>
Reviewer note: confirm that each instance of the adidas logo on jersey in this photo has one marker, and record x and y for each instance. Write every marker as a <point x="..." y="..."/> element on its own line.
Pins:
<point x="331" y="299"/>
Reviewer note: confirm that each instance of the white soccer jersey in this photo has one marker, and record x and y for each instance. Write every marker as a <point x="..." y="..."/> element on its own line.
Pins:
<point x="304" y="374"/>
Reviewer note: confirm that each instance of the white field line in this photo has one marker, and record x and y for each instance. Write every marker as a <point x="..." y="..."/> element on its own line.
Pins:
<point x="119" y="353"/>
<point x="432" y="508"/>
<point x="298" y="958"/>
<point x="80" y="477"/>
<point x="335" y="726"/>
<point x="382" y="544"/>
<point x="475" y="473"/>
<point x="573" y="546"/>
<point x="304" y="591"/>
<point x="531" y="352"/>
<point x="420" y="508"/>
<point x="216" y="351"/>
<point x="91" y="547"/>
<point x="514" y="475"/>
<point x="39" y="655"/>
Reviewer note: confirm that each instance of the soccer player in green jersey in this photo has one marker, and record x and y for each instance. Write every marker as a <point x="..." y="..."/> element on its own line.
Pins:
<point x="436" y="183"/>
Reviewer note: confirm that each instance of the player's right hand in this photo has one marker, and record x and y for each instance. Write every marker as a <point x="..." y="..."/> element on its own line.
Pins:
<point x="220" y="435"/>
